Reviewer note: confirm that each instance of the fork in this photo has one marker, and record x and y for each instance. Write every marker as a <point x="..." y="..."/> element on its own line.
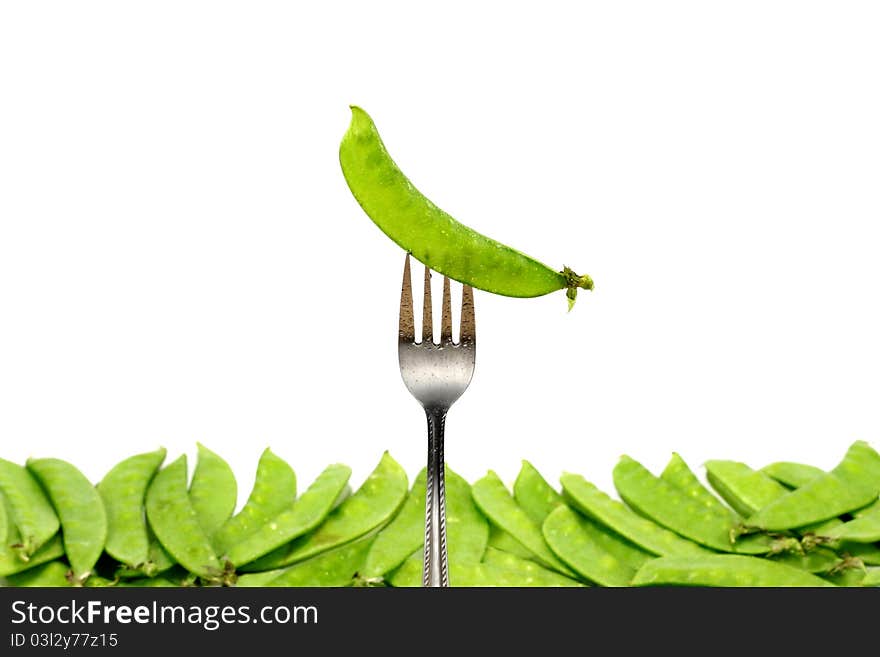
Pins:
<point x="436" y="375"/>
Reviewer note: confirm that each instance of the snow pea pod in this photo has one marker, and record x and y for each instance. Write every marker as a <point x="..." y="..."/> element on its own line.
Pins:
<point x="80" y="510"/>
<point x="744" y="489"/>
<point x="401" y="537"/>
<point x="305" y="514"/>
<point x="860" y="466"/>
<point x="867" y="553"/>
<point x="431" y="235"/>
<point x="176" y="523"/>
<point x="872" y="577"/>
<point x="571" y="537"/>
<point x="11" y="561"/>
<point x="616" y="516"/>
<point x="158" y="559"/>
<point x="670" y="507"/>
<point x="848" y="577"/>
<point x="501" y="540"/>
<point x="262" y="578"/>
<point x="123" y="491"/>
<point x="96" y="582"/>
<point x="274" y="491"/>
<point x="523" y="572"/>
<point x="466" y="527"/>
<point x="865" y="529"/>
<point x="748" y="490"/>
<point x="148" y="582"/>
<point x="4" y="520"/>
<point x="791" y="474"/>
<point x="532" y="492"/>
<point x="722" y="570"/>
<point x="51" y="574"/>
<point x="494" y="500"/>
<point x="28" y="508"/>
<point x="371" y="506"/>
<point x="853" y="484"/>
<point x="818" y="560"/>
<point x="679" y="475"/>
<point x="869" y="510"/>
<point x="335" y="567"/>
<point x="213" y="491"/>
<point x="498" y="569"/>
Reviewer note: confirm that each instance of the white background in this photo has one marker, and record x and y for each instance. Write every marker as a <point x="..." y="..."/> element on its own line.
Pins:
<point x="181" y="260"/>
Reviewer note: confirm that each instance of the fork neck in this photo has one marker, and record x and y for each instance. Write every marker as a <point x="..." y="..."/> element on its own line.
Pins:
<point x="436" y="570"/>
<point x="436" y="413"/>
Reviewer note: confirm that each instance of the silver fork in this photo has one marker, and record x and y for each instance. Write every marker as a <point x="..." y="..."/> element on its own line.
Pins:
<point x="436" y="375"/>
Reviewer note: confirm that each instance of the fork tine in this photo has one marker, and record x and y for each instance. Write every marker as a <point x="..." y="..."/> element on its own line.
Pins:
<point x="446" y="316"/>
<point x="468" y="323"/>
<point x="427" y="321"/>
<point x="406" y="332"/>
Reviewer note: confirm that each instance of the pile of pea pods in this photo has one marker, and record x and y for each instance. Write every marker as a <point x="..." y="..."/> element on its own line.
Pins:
<point x="147" y="524"/>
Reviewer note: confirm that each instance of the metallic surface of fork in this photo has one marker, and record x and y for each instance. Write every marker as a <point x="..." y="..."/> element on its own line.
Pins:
<point x="436" y="375"/>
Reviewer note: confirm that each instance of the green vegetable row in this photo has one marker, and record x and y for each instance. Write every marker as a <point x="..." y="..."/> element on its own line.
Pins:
<point x="144" y="524"/>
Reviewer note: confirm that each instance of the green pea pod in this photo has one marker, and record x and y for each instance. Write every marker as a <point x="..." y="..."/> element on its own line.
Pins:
<point x="510" y="570"/>
<point x="467" y="528"/>
<point x="850" y="577"/>
<point x="532" y="492"/>
<point x="744" y="489"/>
<point x="50" y="574"/>
<point x="336" y="567"/>
<point x="494" y="500"/>
<point x="400" y="537"/>
<point x="176" y="523"/>
<point x="860" y="467"/>
<point x="4" y="520"/>
<point x="675" y="510"/>
<point x="262" y="578"/>
<point x="865" y="529"/>
<point x="28" y="508"/>
<point x="371" y="506"/>
<point x="501" y="540"/>
<point x="499" y="569"/>
<point x="620" y="519"/>
<point x="680" y="476"/>
<point x="573" y="539"/>
<point x="274" y="491"/>
<point x="123" y="491"/>
<point x="98" y="582"/>
<point x="722" y="570"/>
<point x="870" y="510"/>
<point x="872" y="577"/>
<point x="748" y="490"/>
<point x="867" y="553"/>
<point x="213" y="490"/>
<point x="820" y="528"/>
<point x="793" y="475"/>
<point x="80" y="509"/>
<point x="818" y="560"/>
<point x="12" y="563"/>
<point x="158" y="559"/>
<point x="843" y="490"/>
<point x="147" y="582"/>
<point x="267" y="546"/>
<point x="431" y="235"/>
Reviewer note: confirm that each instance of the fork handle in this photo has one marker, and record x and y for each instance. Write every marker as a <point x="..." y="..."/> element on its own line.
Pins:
<point x="436" y="569"/>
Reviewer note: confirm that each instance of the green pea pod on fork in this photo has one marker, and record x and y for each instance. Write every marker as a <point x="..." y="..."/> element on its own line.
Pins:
<point x="431" y="235"/>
